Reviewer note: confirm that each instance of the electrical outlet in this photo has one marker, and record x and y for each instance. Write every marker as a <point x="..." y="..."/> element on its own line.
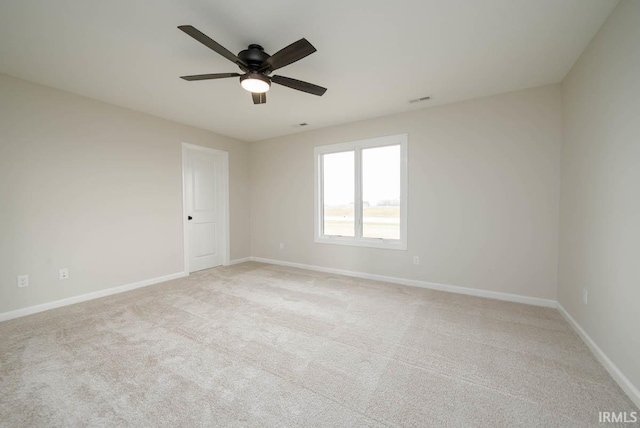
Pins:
<point x="23" y="280"/>
<point x="64" y="274"/>
<point x="282" y="245"/>
<point x="585" y="296"/>
<point x="416" y="260"/>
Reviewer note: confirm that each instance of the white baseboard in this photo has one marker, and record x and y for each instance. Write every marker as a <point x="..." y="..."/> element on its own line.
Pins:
<point x="236" y="261"/>
<point x="614" y="371"/>
<point x="416" y="283"/>
<point x="89" y="296"/>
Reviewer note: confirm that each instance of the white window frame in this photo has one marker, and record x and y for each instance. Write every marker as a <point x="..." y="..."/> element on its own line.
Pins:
<point x="357" y="147"/>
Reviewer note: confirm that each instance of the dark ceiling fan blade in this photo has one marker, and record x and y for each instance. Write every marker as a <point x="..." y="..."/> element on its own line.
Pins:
<point x="259" y="98"/>
<point x="292" y="53"/>
<point x="299" y="85"/>
<point x="209" y="76"/>
<point x="211" y="44"/>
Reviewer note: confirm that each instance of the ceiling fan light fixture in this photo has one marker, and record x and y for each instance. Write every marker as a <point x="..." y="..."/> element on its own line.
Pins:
<point x="255" y="83"/>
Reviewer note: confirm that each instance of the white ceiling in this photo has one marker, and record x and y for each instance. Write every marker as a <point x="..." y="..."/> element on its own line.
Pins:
<point x="373" y="55"/>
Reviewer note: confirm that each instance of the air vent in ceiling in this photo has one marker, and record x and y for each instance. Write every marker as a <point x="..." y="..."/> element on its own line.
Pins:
<point x="419" y="100"/>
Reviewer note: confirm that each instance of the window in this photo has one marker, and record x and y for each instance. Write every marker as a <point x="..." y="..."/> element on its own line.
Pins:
<point x="361" y="193"/>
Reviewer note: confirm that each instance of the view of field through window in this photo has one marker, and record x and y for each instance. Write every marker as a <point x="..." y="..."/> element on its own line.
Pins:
<point x="380" y="193"/>
<point x="339" y="194"/>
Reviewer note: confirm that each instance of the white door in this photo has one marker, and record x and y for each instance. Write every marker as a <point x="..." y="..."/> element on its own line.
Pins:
<point x="204" y="208"/>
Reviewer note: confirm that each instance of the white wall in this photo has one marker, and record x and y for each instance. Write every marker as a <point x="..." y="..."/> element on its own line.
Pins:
<point x="97" y="189"/>
<point x="600" y="208"/>
<point x="483" y="195"/>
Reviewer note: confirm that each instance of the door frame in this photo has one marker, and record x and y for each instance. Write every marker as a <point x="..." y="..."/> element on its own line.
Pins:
<point x="223" y="202"/>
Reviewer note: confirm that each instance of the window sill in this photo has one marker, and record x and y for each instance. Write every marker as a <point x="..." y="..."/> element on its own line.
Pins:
<point x="363" y="242"/>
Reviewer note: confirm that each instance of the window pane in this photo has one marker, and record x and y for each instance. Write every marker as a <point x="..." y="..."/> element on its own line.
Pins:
<point x="339" y="197"/>
<point x="381" y="192"/>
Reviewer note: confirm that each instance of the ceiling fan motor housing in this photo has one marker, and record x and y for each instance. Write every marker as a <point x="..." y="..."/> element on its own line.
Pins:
<point x="254" y="56"/>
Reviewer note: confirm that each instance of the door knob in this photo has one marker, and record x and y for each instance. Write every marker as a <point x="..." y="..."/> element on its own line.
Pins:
<point x="189" y="218"/>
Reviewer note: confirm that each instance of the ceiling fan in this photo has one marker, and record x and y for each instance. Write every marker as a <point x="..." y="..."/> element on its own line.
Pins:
<point x="257" y="65"/>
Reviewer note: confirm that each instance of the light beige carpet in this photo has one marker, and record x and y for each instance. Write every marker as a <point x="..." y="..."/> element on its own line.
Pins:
<point x="261" y="345"/>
